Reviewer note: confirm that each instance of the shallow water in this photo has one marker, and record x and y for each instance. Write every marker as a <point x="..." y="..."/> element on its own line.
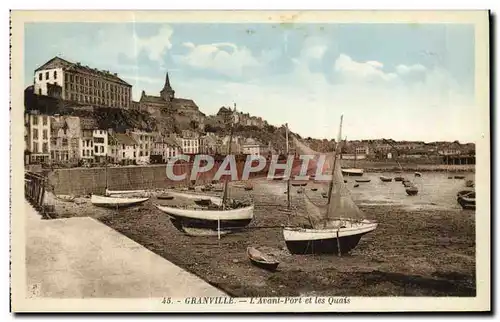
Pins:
<point x="435" y="190"/>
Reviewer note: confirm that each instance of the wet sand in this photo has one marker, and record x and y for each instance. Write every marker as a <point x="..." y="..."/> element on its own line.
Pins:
<point x="426" y="251"/>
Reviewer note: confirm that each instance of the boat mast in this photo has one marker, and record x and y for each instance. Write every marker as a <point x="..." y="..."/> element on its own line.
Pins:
<point x="289" y="203"/>
<point x="337" y="147"/>
<point x="224" y="197"/>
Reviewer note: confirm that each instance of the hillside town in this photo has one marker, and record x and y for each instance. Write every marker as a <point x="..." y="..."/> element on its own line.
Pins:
<point x="58" y="138"/>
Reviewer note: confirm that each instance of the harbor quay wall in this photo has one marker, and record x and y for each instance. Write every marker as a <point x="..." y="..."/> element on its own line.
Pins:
<point x="83" y="181"/>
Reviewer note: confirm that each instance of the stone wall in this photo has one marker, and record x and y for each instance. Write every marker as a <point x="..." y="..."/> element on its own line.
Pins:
<point x="82" y="181"/>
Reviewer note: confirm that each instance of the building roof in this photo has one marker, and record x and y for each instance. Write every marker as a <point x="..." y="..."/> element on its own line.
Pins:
<point x="58" y="62"/>
<point x="152" y="99"/>
<point x="123" y="138"/>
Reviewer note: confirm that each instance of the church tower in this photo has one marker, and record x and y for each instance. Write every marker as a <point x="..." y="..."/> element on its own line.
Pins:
<point x="167" y="93"/>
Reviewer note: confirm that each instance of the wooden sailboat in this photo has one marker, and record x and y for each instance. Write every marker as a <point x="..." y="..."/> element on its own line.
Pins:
<point x="385" y="179"/>
<point x="214" y="218"/>
<point x="342" y="227"/>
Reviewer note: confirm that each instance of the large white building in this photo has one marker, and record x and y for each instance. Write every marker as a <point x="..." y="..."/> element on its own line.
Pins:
<point x="82" y="84"/>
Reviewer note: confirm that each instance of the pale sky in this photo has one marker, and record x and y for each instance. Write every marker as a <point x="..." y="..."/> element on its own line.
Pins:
<point x="400" y="81"/>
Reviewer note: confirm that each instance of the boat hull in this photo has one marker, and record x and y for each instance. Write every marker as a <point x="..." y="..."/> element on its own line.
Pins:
<point x="211" y="220"/>
<point x="398" y="179"/>
<point x="182" y="222"/>
<point x="467" y="203"/>
<point x="352" y="172"/>
<point x="324" y="246"/>
<point x="384" y="179"/>
<point x="362" y="180"/>
<point x="411" y="192"/>
<point x="267" y="266"/>
<point x="326" y="241"/>
<point x="110" y="202"/>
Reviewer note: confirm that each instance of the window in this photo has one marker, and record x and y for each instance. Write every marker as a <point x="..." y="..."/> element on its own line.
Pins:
<point x="40" y="76"/>
<point x="96" y="149"/>
<point x="46" y="75"/>
<point x="123" y="146"/>
<point x="44" y="120"/>
<point x="45" y="147"/>
<point x="83" y="152"/>
<point x="140" y="153"/>
<point x="102" y="149"/>
<point x="124" y="154"/>
<point x="55" y="75"/>
<point x="35" y="134"/>
<point x="146" y="153"/>
<point x="35" y="120"/>
<point x="39" y="91"/>
<point x="134" y="154"/>
<point x="64" y="141"/>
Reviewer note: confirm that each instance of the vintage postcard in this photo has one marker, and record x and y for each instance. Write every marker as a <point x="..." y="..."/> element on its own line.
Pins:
<point x="250" y="161"/>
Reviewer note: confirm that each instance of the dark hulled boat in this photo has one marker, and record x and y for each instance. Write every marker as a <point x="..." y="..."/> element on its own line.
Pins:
<point x="342" y="225"/>
<point x="385" y="179"/>
<point x="262" y="260"/>
<point x="467" y="200"/>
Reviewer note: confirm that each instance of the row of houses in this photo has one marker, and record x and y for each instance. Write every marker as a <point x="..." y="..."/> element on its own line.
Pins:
<point x="406" y="149"/>
<point x="76" y="140"/>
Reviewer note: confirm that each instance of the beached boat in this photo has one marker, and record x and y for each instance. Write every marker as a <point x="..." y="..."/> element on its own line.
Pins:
<point x="262" y="260"/>
<point x="206" y="218"/>
<point x="353" y="172"/>
<point x="398" y="178"/>
<point x="299" y="184"/>
<point x="356" y="185"/>
<point x="124" y="192"/>
<point x="214" y="215"/>
<point x="459" y="177"/>
<point x="113" y="202"/>
<point x="411" y="191"/>
<point x="165" y="197"/>
<point x="385" y="179"/>
<point x="341" y="224"/>
<point x="418" y="174"/>
<point x="464" y="192"/>
<point x="362" y="180"/>
<point x="314" y="189"/>
<point x="467" y="200"/>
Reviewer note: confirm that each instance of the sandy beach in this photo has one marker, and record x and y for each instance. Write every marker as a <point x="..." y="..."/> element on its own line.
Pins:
<point x="415" y="251"/>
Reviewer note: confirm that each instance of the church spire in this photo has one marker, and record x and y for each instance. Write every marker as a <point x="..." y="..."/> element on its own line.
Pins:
<point x="167" y="82"/>
<point x="167" y="93"/>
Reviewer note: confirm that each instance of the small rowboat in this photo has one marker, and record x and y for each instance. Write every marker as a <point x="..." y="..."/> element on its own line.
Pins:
<point x="398" y="178"/>
<point x="165" y="197"/>
<point x="298" y="184"/>
<point x="468" y="200"/>
<point x="262" y="260"/>
<point x="418" y="174"/>
<point x="362" y="180"/>
<point x="356" y="185"/>
<point x="385" y="179"/>
<point x="459" y="177"/>
<point x="412" y="191"/>
<point x="314" y="189"/>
